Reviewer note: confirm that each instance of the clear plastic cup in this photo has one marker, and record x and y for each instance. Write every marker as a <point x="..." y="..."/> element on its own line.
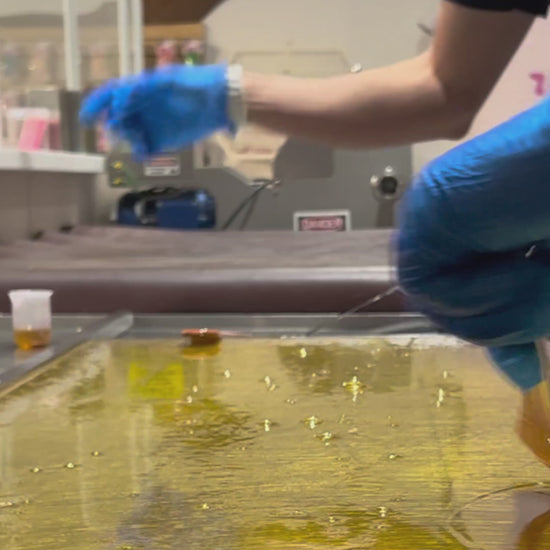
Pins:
<point x="31" y="318"/>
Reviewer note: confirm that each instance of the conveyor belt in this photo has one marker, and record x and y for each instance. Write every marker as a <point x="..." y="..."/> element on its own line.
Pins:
<point x="106" y="269"/>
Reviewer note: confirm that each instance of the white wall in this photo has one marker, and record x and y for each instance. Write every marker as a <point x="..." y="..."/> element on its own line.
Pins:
<point x="370" y="32"/>
<point x="515" y="92"/>
<point x="20" y="7"/>
<point x="373" y="33"/>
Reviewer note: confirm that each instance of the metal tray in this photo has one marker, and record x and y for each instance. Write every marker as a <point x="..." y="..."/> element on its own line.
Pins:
<point x="72" y="331"/>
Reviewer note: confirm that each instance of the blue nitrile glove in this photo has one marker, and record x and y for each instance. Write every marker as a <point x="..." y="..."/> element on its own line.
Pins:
<point x="474" y="238"/>
<point x="163" y="110"/>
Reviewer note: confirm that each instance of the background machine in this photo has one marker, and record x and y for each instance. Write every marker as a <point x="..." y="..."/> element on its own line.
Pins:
<point x="312" y="188"/>
<point x="260" y="180"/>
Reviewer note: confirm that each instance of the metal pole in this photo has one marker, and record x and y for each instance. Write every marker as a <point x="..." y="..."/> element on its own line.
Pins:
<point x="124" y="50"/>
<point x="137" y="35"/>
<point x="71" y="45"/>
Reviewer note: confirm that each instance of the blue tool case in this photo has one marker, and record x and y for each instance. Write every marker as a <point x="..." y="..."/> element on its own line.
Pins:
<point x="168" y="208"/>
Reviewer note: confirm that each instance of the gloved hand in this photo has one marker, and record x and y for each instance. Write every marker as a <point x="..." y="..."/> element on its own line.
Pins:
<point x="474" y="239"/>
<point x="163" y="110"/>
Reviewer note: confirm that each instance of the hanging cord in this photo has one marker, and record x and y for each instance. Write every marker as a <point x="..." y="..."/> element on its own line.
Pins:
<point x="250" y="200"/>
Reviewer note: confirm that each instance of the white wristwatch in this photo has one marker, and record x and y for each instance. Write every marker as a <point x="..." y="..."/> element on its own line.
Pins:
<point x="235" y="93"/>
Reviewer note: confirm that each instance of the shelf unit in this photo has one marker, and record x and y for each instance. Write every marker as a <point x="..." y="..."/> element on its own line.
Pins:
<point x="51" y="161"/>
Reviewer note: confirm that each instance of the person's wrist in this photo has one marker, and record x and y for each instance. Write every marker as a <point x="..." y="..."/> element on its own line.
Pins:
<point x="236" y="96"/>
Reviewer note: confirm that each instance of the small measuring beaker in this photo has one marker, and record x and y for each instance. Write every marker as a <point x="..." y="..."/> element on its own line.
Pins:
<point x="31" y="318"/>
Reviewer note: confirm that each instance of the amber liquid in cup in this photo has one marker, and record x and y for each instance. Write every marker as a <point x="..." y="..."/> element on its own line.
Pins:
<point x="28" y="339"/>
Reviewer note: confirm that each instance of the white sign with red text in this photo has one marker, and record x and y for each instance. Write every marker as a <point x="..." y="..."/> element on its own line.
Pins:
<point x="323" y="220"/>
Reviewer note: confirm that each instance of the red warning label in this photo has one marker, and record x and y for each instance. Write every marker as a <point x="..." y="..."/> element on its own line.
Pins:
<point x="162" y="167"/>
<point x="309" y="221"/>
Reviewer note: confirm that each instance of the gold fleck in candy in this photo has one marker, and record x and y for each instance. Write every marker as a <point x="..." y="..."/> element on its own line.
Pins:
<point x="312" y="422"/>
<point x="70" y="466"/>
<point x="353" y="384"/>
<point x="36" y="470"/>
<point x="326" y="437"/>
<point x="355" y="387"/>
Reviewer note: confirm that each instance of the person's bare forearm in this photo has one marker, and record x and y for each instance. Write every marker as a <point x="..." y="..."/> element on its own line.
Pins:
<point x="435" y="95"/>
<point x="395" y="105"/>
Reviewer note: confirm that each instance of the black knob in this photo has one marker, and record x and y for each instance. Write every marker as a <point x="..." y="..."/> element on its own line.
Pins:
<point x="388" y="185"/>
